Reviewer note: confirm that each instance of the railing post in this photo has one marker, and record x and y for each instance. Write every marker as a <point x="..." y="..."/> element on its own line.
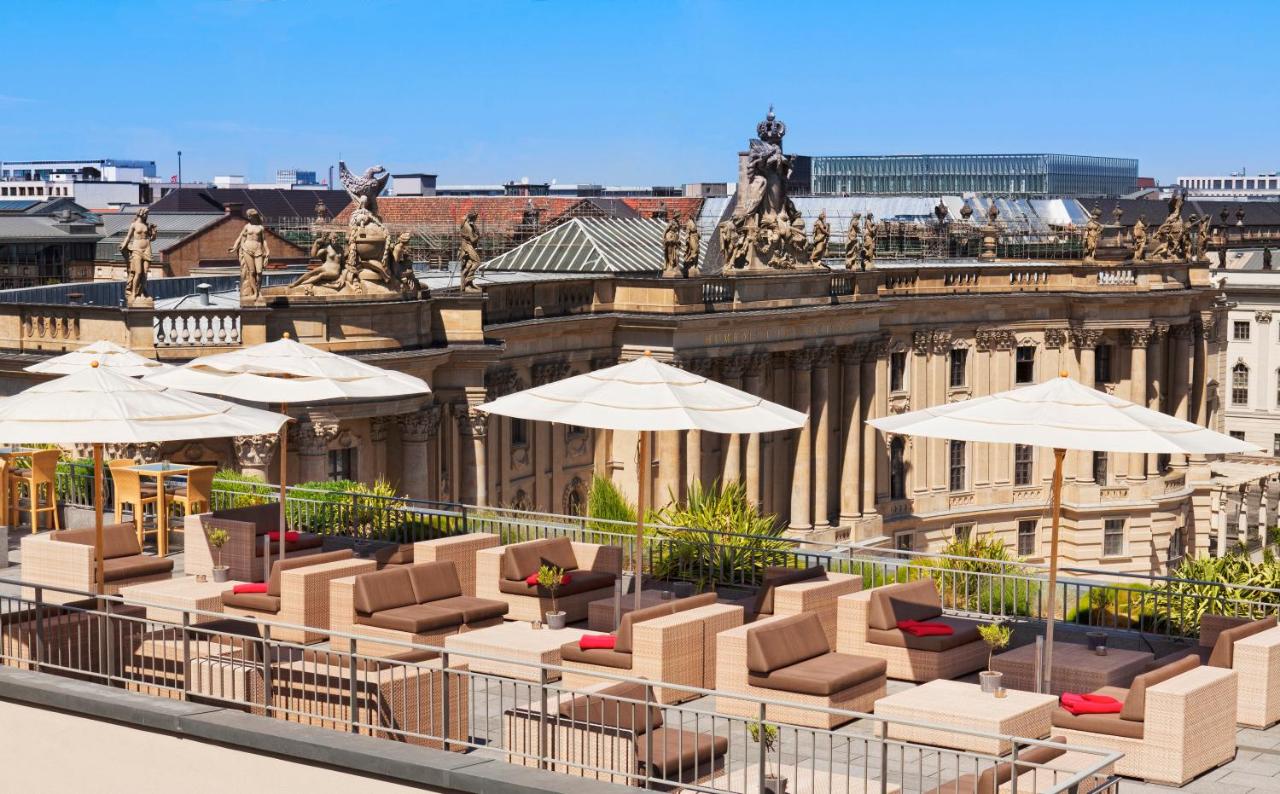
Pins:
<point x="884" y="758"/>
<point x="110" y="643"/>
<point x="1013" y="780"/>
<point x="542" y="719"/>
<point x="39" y="650"/>
<point x="648" y="736"/>
<point x="763" y="759"/>
<point x="186" y="655"/>
<point x="446" y="695"/>
<point x="266" y="669"/>
<point x="351" y="696"/>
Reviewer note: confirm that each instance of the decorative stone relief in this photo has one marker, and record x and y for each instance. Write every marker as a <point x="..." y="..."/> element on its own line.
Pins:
<point x="1054" y="338"/>
<point x="987" y="339"/>
<point x="254" y="452"/>
<point x="421" y="425"/>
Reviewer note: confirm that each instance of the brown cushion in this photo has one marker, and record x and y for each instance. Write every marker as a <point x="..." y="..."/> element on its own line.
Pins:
<point x="676" y="752"/>
<point x="306" y="540"/>
<point x="775" y="577"/>
<point x="822" y="676"/>
<point x="403" y="555"/>
<point x="618" y="706"/>
<point x="1105" y="724"/>
<point x="523" y="559"/>
<point x="626" y="626"/>
<point x="559" y="552"/>
<point x="1223" y="654"/>
<point x="433" y="581"/>
<point x="783" y="642"/>
<point x="891" y="604"/>
<point x="135" y="567"/>
<point x="693" y="602"/>
<point x="1135" y="703"/>
<point x="995" y="776"/>
<point x="118" y="540"/>
<point x="579" y="582"/>
<point x="290" y="563"/>
<point x="963" y="633"/>
<point x="258" y="602"/>
<point x="474" y="610"/>
<point x="382" y="590"/>
<point x="413" y="619"/>
<point x="605" y="657"/>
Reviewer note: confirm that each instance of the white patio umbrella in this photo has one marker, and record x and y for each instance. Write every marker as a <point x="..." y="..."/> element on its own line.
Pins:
<point x="286" y="371"/>
<point x="646" y="395"/>
<point x="98" y="406"/>
<point x="1061" y="414"/>
<point x="104" y="354"/>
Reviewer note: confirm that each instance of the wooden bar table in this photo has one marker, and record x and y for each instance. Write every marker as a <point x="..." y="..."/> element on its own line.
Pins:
<point x="9" y="455"/>
<point x="160" y="471"/>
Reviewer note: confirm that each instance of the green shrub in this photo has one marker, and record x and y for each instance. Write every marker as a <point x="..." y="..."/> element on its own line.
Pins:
<point x="977" y="584"/>
<point x="612" y="511"/>
<point x="233" y="489"/>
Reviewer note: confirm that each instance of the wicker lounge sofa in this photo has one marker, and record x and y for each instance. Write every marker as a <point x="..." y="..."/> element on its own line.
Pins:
<point x="789" y="659"/>
<point x="460" y="550"/>
<point x="1040" y="768"/>
<point x="408" y="603"/>
<point x="1177" y="722"/>
<point x="246" y="547"/>
<point x="297" y="593"/>
<point x="667" y="642"/>
<point x="868" y="626"/>
<point x="501" y="574"/>
<point x="790" y="591"/>
<point x="1252" y="649"/>
<point x="607" y="735"/>
<point x="64" y="558"/>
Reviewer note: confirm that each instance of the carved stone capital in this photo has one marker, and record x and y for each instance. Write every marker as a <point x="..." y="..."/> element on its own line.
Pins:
<point x="421" y="425"/>
<point x="802" y="359"/>
<point x="147" y="452"/>
<point x="1184" y="330"/>
<point x="472" y="422"/>
<point x="1085" y="337"/>
<point x="548" y="372"/>
<point x="880" y="347"/>
<point x="1159" y="331"/>
<point x="603" y="362"/>
<point x="313" y="435"/>
<point x="1262" y="317"/>
<point x="757" y="363"/>
<point x="254" y="452"/>
<point x="1139" y="337"/>
<point x="856" y="352"/>
<point x="732" y="367"/>
<point x="1054" y="338"/>
<point x="501" y="381"/>
<point x="824" y="355"/>
<point x="987" y="339"/>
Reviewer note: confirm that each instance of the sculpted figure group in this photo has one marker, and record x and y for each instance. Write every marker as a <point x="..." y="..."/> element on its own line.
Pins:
<point x="1175" y="239"/>
<point x="681" y="247"/>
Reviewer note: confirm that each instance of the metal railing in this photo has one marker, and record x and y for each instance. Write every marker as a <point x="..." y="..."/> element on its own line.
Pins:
<point x="525" y="716"/>
<point x="1166" y="606"/>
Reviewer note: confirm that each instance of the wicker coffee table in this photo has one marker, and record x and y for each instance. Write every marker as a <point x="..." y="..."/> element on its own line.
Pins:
<point x="1075" y="668"/>
<point x="958" y="705"/>
<point x="805" y="779"/>
<point x="518" y="644"/>
<point x="182" y="593"/>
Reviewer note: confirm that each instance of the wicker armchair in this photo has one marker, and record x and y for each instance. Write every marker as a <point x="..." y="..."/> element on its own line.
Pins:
<point x="247" y="528"/>
<point x="297" y="594"/>
<point x="791" y="591"/>
<point x="500" y="574"/>
<point x="1252" y="649"/>
<point x="65" y="558"/>
<point x="458" y="549"/>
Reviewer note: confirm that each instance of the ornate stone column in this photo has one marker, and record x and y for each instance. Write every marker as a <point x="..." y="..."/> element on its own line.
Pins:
<point x="756" y="364"/>
<point x="1157" y="369"/>
<point x="851" y="413"/>
<point x="875" y="384"/>
<point x="1138" y="339"/>
<point x="693" y="470"/>
<point x="253" y="454"/>
<point x="1084" y="340"/>
<point x="379" y="426"/>
<point x="313" y="437"/>
<point x="801" y="482"/>
<point x="731" y="375"/>
<point x="821" y="418"/>
<point x="1181" y="379"/>
<point x="419" y="477"/>
<point x="473" y="428"/>
<point x="603" y="439"/>
<point x="543" y="452"/>
<point x="669" y="465"/>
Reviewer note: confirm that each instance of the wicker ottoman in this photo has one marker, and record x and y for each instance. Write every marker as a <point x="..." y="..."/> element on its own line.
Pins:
<point x="966" y="706"/>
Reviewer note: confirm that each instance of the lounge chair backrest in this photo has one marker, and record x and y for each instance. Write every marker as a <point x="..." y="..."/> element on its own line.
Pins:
<point x="200" y="484"/>
<point x="892" y="604"/>
<point x="433" y="581"/>
<point x="289" y="563"/>
<point x="118" y="540"/>
<point x="783" y="642"/>
<point x="385" y="589"/>
<point x="623" y="640"/>
<point x="612" y="707"/>
<point x="1223" y="654"/>
<point x="1135" y="703"/>
<point x="44" y="465"/>
<point x="1002" y="773"/>
<point x="775" y="577"/>
<point x="693" y="602"/>
<point x="523" y="559"/>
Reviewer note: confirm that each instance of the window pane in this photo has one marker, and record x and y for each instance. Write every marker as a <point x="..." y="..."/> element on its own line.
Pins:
<point x="958" y="479"/>
<point x="1240" y="384"/>
<point x="958" y="360"/>
<point x="1240" y="330"/>
<point x="1023" y="459"/>
<point x="1026" y="364"/>
<point x="897" y="370"/>
<point x="1113" y="537"/>
<point x="1027" y="538"/>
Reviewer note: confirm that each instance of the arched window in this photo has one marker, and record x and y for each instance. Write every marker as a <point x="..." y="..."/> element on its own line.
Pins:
<point x="1240" y="384"/>
<point x="574" y="499"/>
<point x="897" y="468"/>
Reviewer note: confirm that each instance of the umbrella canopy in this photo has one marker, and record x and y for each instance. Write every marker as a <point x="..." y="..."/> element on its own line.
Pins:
<point x="99" y="406"/>
<point x="108" y="355"/>
<point x="645" y="394"/>
<point x="287" y="371"/>
<point x="1062" y="414"/>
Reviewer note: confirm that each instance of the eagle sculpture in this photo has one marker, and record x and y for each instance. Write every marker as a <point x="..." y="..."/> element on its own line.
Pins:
<point x="370" y="185"/>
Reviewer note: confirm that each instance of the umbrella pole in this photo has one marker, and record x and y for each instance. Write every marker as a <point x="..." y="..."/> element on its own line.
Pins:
<point x="97" y="518"/>
<point x="1047" y="669"/>
<point x="642" y="504"/>
<point x="284" y="468"/>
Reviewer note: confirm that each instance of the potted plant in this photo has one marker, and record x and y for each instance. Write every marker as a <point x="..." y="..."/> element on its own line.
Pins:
<point x="767" y="735"/>
<point x="997" y="637"/>
<point x="217" y="539"/>
<point x="551" y="577"/>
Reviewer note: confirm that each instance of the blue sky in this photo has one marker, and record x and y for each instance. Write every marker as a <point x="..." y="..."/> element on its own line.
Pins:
<point x="640" y="92"/>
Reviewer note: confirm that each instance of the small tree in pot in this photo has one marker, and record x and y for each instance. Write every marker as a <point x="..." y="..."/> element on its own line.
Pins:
<point x="997" y="637"/>
<point x="551" y="577"/>
<point x="217" y="539"/>
<point x="767" y="736"/>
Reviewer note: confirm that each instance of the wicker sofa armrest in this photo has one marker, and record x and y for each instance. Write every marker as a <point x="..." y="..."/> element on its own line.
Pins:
<point x="1257" y="661"/>
<point x="49" y="562"/>
<point x="488" y="573"/>
<point x="461" y="551"/>
<point x="342" y="604"/>
<point x="595" y="557"/>
<point x="1193" y="709"/>
<point x="304" y="592"/>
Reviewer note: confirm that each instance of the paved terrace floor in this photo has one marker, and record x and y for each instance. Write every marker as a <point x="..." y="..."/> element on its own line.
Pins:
<point x="1255" y="769"/>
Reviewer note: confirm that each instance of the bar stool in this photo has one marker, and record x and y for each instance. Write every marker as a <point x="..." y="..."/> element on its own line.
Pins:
<point x="42" y="476"/>
<point x="130" y="490"/>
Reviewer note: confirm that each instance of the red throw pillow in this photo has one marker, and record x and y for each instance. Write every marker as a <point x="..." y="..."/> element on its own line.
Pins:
<point x="589" y="641"/>
<point x="289" y="536"/>
<point x="564" y="580"/>
<point x="1090" y="704"/>
<point x="250" y="587"/>
<point x="917" y="628"/>
<point x="531" y="580"/>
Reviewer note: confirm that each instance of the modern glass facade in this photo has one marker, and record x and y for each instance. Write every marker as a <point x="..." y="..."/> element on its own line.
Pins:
<point x="1013" y="175"/>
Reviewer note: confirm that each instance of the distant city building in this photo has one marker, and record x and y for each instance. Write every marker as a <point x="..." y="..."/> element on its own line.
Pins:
<point x="706" y="189"/>
<point x="46" y="242"/>
<point x="292" y="176"/>
<point x="1013" y="175"/>
<point x="95" y="184"/>
<point x="1239" y="185"/>
<point x="413" y="184"/>
<point x="105" y="170"/>
<point x="564" y="189"/>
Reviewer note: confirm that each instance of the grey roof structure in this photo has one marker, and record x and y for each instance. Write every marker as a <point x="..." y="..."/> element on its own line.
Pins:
<point x="39" y="227"/>
<point x="590" y="245"/>
<point x="171" y="229"/>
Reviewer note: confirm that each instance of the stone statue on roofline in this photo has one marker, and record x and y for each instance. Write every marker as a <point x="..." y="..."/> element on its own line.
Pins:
<point x="1202" y="239"/>
<point x="1092" y="235"/>
<point x="469" y="252"/>
<point x="329" y="274"/>
<point x="369" y="186"/>
<point x="853" y="243"/>
<point x="136" y="249"/>
<point x="692" y="247"/>
<point x="867" y="260"/>
<point x="821" y="239"/>
<point x="1140" y="239"/>
<point x="671" y="247"/>
<point x="250" y="248"/>
<point x="727" y="240"/>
